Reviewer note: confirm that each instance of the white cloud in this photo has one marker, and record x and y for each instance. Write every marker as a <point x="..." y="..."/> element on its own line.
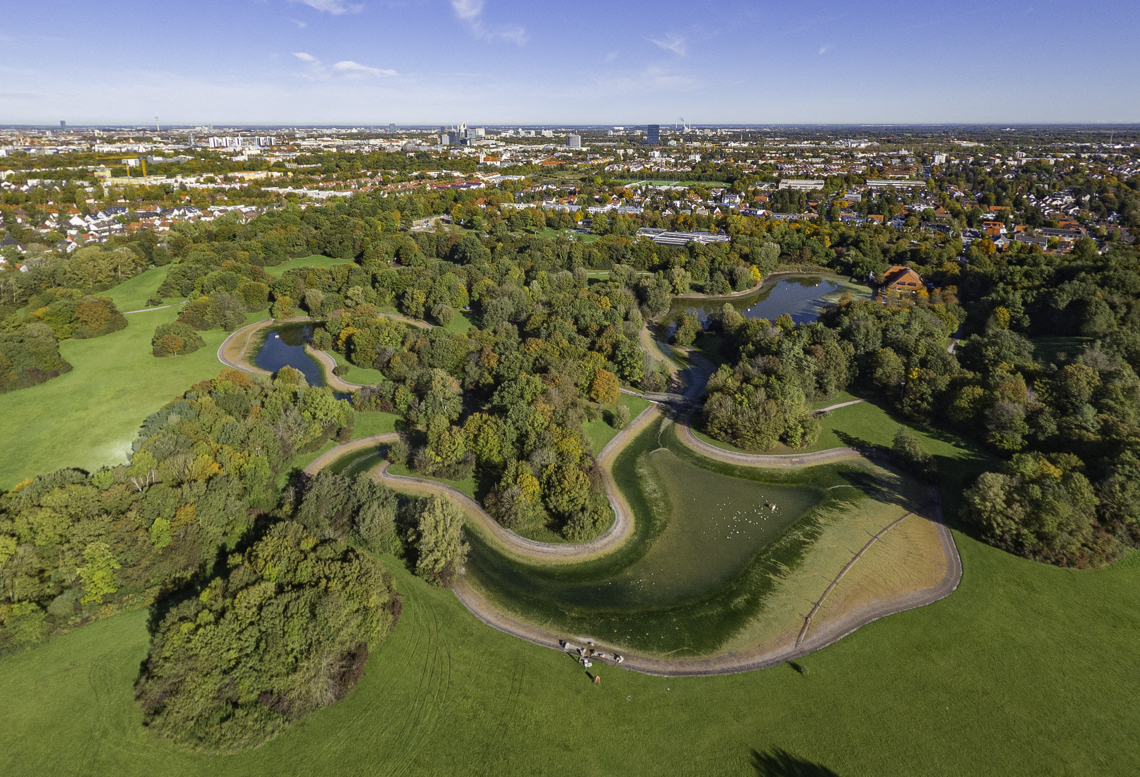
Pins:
<point x="346" y="68"/>
<point x="355" y="69"/>
<point x="471" y="13"/>
<point x="467" y="9"/>
<point x="671" y="42"/>
<point x="335" y="7"/>
<point x="300" y="25"/>
<point x="823" y="50"/>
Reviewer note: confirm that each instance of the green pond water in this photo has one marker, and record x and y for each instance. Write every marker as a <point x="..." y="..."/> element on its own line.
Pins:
<point x="704" y="554"/>
<point x="353" y="464"/>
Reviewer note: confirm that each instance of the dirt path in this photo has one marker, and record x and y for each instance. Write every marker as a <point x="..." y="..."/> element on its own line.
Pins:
<point x="812" y="637"/>
<point x="824" y="634"/>
<point x="146" y="310"/>
<point x="838" y="405"/>
<point x="685" y="433"/>
<point x="330" y="456"/>
<point x="839" y="578"/>
<point x="406" y="320"/>
<point x="328" y="364"/>
<point x="238" y="361"/>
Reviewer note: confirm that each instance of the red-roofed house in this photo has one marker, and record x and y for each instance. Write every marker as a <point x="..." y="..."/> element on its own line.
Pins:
<point x="901" y="279"/>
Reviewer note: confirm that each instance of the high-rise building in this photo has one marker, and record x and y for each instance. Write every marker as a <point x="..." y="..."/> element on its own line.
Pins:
<point x="574" y="141"/>
<point x="63" y="125"/>
<point x="653" y="135"/>
<point x="392" y="127"/>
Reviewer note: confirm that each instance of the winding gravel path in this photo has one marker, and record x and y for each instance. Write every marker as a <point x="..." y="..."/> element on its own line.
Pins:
<point x="328" y="363"/>
<point x="334" y="381"/>
<point x="514" y="544"/>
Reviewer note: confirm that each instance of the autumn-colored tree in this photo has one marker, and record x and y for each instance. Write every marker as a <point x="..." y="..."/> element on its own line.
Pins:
<point x="605" y="388"/>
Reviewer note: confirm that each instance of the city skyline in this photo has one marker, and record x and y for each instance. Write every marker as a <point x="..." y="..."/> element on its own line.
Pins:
<point x="426" y="62"/>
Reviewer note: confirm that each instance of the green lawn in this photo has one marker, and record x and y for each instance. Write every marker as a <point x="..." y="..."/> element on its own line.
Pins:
<point x="1025" y="670"/>
<point x="88" y="417"/>
<point x="460" y="323"/>
<point x="361" y="375"/>
<point x="600" y="432"/>
<point x="305" y="261"/>
<point x="133" y="294"/>
<point x="865" y="425"/>
<point x="368" y="424"/>
<point x="1045" y="349"/>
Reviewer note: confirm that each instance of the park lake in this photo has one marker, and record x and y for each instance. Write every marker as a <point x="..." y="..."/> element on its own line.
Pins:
<point x="284" y="345"/>
<point x="803" y="297"/>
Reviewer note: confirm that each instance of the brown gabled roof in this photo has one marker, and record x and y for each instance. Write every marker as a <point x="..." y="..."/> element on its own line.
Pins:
<point x="904" y="277"/>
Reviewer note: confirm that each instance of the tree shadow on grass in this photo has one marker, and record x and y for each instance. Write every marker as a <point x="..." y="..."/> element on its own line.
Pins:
<point x="885" y="491"/>
<point x="851" y="441"/>
<point x="781" y="763"/>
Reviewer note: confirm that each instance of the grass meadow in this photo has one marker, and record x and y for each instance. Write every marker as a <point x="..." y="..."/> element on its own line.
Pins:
<point x="1027" y="669"/>
<point x="305" y="261"/>
<point x="88" y="417"/>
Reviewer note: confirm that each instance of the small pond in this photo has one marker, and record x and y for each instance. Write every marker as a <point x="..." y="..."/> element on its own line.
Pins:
<point x="803" y="297"/>
<point x="285" y="346"/>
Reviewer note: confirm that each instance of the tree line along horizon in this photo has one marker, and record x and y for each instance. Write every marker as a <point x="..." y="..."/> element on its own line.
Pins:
<point x="196" y="525"/>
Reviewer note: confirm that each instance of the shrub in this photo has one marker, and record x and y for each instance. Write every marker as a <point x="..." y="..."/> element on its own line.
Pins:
<point x="908" y="453"/>
<point x="175" y="339"/>
<point x="443" y="314"/>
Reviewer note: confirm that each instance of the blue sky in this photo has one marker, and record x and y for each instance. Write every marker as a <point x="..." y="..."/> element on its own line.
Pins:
<point x="560" y="62"/>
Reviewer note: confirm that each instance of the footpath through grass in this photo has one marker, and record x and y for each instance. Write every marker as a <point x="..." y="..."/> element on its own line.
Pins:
<point x="1026" y="670"/>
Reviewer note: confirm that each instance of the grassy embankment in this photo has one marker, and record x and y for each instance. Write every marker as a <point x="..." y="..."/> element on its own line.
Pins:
<point x="1026" y="670"/>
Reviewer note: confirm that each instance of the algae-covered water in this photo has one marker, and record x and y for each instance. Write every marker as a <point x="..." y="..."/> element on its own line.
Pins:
<point x="357" y="462"/>
<point x="705" y="552"/>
